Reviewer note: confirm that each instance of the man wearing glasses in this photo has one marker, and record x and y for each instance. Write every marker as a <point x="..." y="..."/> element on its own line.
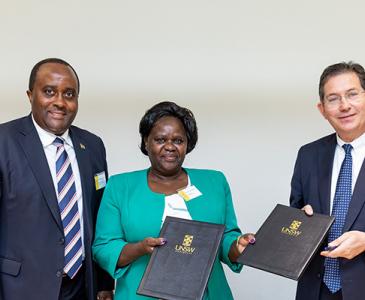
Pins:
<point x="329" y="178"/>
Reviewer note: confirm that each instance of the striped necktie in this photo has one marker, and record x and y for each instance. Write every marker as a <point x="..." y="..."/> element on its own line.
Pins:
<point x="67" y="202"/>
<point x="341" y="202"/>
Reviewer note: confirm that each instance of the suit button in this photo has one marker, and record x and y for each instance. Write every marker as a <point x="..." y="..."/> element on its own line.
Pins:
<point x="62" y="241"/>
<point x="59" y="274"/>
<point x="318" y="275"/>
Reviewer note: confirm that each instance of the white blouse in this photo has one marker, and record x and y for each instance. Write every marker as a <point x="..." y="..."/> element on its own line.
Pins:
<point x="175" y="206"/>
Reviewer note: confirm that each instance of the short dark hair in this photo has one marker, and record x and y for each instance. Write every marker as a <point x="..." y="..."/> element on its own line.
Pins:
<point x="33" y="73"/>
<point x="169" y="109"/>
<point x="340" y="68"/>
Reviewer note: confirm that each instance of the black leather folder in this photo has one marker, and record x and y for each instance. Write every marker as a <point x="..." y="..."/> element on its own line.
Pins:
<point x="180" y="269"/>
<point x="287" y="241"/>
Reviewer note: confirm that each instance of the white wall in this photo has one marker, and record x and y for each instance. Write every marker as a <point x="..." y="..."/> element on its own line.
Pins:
<point x="249" y="70"/>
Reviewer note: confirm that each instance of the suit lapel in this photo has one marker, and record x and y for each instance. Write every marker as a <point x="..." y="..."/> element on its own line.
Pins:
<point x="325" y="165"/>
<point x="83" y="161"/>
<point x="34" y="152"/>
<point x="357" y="200"/>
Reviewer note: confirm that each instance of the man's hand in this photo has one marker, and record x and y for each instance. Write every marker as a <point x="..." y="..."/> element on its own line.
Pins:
<point x="348" y="245"/>
<point x="308" y="210"/>
<point x="105" y="295"/>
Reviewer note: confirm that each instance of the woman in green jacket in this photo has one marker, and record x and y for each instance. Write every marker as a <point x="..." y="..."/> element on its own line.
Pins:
<point x="135" y="204"/>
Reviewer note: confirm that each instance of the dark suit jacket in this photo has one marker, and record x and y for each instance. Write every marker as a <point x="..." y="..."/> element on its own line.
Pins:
<point x="31" y="232"/>
<point x="311" y="184"/>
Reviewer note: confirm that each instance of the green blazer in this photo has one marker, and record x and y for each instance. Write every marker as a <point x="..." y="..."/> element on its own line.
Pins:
<point x="130" y="212"/>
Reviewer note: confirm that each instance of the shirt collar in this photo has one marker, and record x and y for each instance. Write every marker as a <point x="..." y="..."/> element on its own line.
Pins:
<point x="47" y="138"/>
<point x="356" y="143"/>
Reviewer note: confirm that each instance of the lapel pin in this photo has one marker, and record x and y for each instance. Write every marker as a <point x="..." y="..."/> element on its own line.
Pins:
<point x="82" y="146"/>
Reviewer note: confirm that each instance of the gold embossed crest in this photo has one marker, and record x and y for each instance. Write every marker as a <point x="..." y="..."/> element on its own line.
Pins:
<point x="188" y="239"/>
<point x="295" y="225"/>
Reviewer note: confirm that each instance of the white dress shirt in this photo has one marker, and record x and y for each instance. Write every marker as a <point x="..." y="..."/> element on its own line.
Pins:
<point x="47" y="140"/>
<point x="358" y="155"/>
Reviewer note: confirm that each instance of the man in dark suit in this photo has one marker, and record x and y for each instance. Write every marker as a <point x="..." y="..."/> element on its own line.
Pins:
<point x="329" y="178"/>
<point x="52" y="176"/>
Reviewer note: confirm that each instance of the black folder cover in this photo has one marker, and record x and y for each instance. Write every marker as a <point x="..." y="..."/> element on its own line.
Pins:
<point x="180" y="269"/>
<point x="286" y="241"/>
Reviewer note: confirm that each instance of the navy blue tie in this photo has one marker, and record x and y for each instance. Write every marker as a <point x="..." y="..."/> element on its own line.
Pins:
<point x="67" y="202"/>
<point x="341" y="202"/>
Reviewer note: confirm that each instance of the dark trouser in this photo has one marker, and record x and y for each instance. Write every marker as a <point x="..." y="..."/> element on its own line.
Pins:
<point x="327" y="295"/>
<point x="73" y="289"/>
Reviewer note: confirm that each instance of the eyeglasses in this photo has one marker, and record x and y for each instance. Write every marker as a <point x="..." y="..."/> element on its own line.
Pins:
<point x="334" y="100"/>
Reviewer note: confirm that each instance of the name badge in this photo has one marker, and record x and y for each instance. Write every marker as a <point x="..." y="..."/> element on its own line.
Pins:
<point x="189" y="193"/>
<point x="100" y="180"/>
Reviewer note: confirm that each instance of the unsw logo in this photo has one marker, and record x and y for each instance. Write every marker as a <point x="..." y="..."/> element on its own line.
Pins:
<point x="293" y="229"/>
<point x="185" y="247"/>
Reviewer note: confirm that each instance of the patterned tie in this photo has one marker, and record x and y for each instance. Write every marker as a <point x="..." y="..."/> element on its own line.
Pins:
<point x="67" y="202"/>
<point x="341" y="203"/>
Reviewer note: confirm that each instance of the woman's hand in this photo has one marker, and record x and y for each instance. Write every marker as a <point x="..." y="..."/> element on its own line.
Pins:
<point x="244" y="240"/>
<point x="239" y="245"/>
<point x="148" y="244"/>
<point x="132" y="251"/>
